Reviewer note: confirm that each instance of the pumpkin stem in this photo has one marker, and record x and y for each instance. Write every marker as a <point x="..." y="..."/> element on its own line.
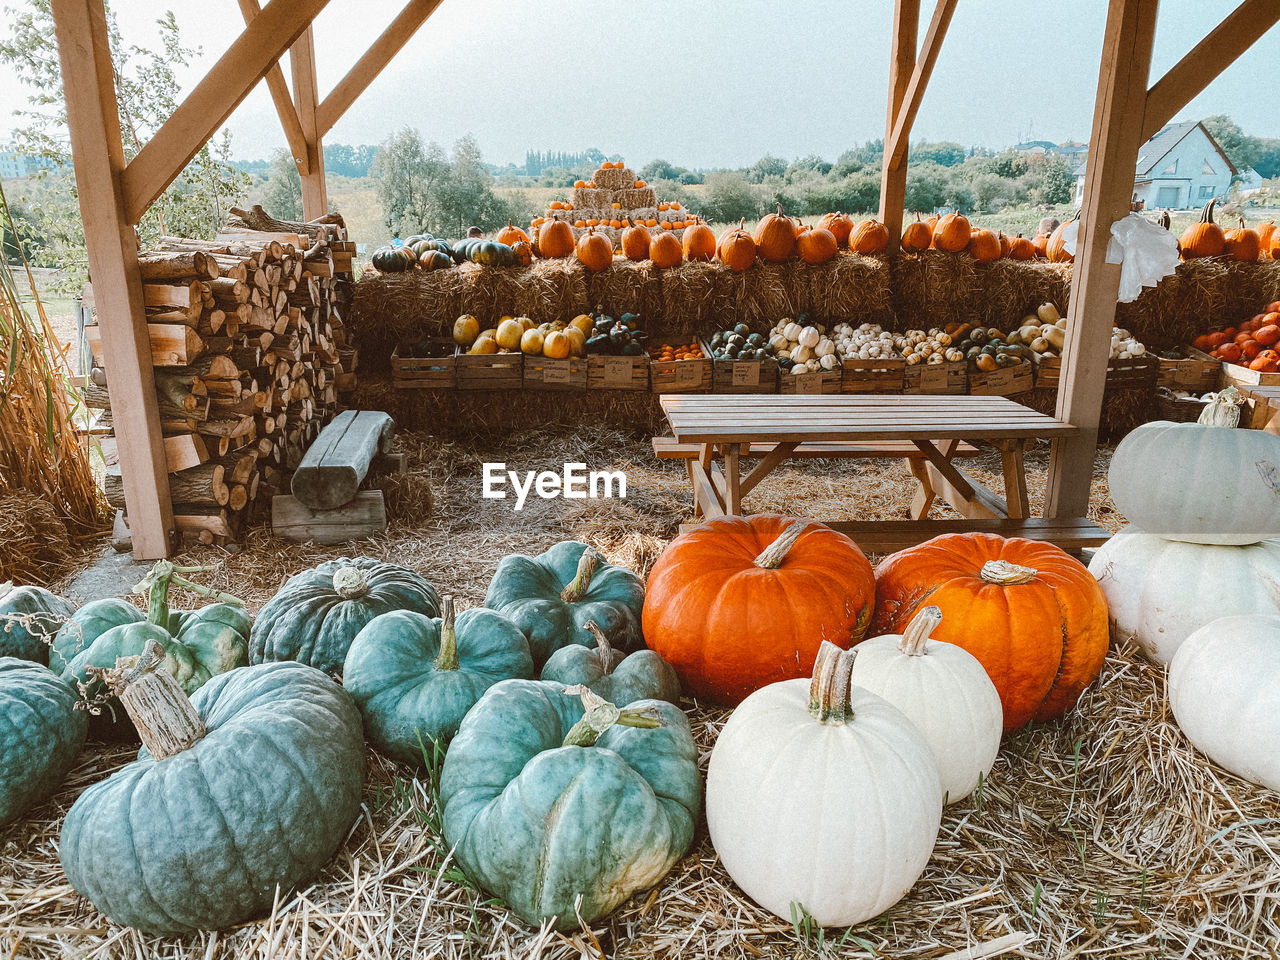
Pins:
<point x="350" y="583"/>
<point x="773" y="556"/>
<point x="581" y="582"/>
<point x="447" y="658"/>
<point x="162" y="577"/>
<point x="1006" y="574"/>
<point x="604" y="650"/>
<point x="829" y="687"/>
<point x="1206" y="215"/>
<point x="167" y="721"/>
<point x="916" y="637"/>
<point x="599" y="715"/>
<point x="1222" y="410"/>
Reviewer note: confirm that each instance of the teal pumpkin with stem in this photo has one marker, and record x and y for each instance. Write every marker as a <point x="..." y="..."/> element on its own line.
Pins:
<point x="613" y="675"/>
<point x="29" y="618"/>
<point x="317" y="613"/>
<point x="86" y="625"/>
<point x="242" y="794"/>
<point x="415" y="677"/>
<point x="548" y="798"/>
<point x="41" y="733"/>
<point x="551" y="597"/>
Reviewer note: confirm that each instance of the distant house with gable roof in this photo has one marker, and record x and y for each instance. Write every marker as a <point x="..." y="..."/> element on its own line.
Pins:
<point x="1181" y="167"/>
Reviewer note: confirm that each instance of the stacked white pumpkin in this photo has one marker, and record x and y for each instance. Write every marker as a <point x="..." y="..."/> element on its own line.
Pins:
<point x="1195" y="578"/>
<point x="867" y="341"/>
<point x="927" y="346"/>
<point x="806" y="345"/>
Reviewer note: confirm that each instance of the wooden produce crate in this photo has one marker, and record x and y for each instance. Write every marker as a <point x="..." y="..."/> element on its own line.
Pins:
<point x="489" y="371"/>
<point x="617" y="373"/>
<point x="1002" y="382"/>
<point x="1237" y="375"/>
<point x="1261" y="409"/>
<point x="1132" y="372"/>
<point x="943" y="379"/>
<point x="543" y="373"/>
<point x="815" y="382"/>
<point x="743" y="376"/>
<point x="425" y="373"/>
<point x="879" y="375"/>
<point x="1193" y="374"/>
<point x="680" y="376"/>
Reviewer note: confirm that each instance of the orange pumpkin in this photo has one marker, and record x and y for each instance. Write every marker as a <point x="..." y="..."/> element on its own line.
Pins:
<point x="1040" y="243"/>
<point x="555" y="239"/>
<point x="511" y="234"/>
<point x="1055" y="247"/>
<point x="840" y="225"/>
<point x="951" y="233"/>
<point x="522" y="253"/>
<point x="741" y="602"/>
<point x="917" y="236"/>
<point x="665" y="250"/>
<point x="775" y="236"/>
<point x="579" y="183"/>
<point x="869" y="236"/>
<point x="1241" y="244"/>
<point x="984" y="245"/>
<point x="931" y="221"/>
<point x="635" y="243"/>
<point x="640" y="184"/>
<point x="699" y="243"/>
<point x="1020" y="248"/>
<point x="1033" y="616"/>
<point x="1203" y="238"/>
<point x="816" y="245"/>
<point x="736" y="249"/>
<point x="594" y="251"/>
<point x="1266" y="233"/>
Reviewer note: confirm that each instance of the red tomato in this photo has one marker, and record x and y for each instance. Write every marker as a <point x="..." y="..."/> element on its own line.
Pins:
<point x="1250" y="349"/>
<point x="1229" y="352"/>
<point x="1267" y="335"/>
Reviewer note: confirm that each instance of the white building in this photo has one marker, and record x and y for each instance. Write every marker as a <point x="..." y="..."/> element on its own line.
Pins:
<point x="1181" y="167"/>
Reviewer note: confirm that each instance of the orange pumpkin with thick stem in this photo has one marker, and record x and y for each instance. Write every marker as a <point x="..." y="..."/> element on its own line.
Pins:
<point x="594" y="251"/>
<point x="775" y="236"/>
<point x="840" y="225"/>
<point x="1203" y="238"/>
<point x="1055" y="248"/>
<point x="816" y="245"/>
<point x="555" y="239"/>
<point x="742" y="602"/>
<point x="869" y="237"/>
<point x="1020" y="248"/>
<point x="984" y="245"/>
<point x="1241" y="244"/>
<point x="1033" y="616"/>
<point x="736" y="249"/>
<point x="952" y="233"/>
<point x="699" y="243"/>
<point x="635" y="243"/>
<point x="511" y="234"/>
<point x="665" y="250"/>
<point x="917" y="236"/>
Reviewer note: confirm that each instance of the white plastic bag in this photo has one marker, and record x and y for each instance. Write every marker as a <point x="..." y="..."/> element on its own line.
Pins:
<point x="1146" y="252"/>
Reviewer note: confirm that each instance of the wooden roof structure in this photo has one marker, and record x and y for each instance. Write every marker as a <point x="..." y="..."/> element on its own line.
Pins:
<point x="114" y="195"/>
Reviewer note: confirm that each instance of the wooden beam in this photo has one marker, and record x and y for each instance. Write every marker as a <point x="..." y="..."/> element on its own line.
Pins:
<point x="302" y="61"/>
<point x="896" y="145"/>
<point x="893" y="180"/>
<point x="89" y="91"/>
<point x="1227" y="41"/>
<point x="207" y="107"/>
<point x="1108" y="187"/>
<point x="367" y="68"/>
<point x="280" y="96"/>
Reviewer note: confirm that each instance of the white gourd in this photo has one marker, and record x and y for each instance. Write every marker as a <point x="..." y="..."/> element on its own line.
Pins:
<point x="829" y="361"/>
<point x="800" y="353"/>
<point x="945" y="691"/>
<point x="792" y="331"/>
<point x="823" y="794"/>
<point x="812" y="365"/>
<point x="809" y="337"/>
<point x="778" y="342"/>
<point x="824" y="347"/>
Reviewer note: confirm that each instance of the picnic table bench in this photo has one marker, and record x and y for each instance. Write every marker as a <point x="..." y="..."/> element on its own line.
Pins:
<point x="929" y="432"/>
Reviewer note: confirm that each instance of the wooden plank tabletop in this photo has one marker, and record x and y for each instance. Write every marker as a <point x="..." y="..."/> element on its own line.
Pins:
<point x="743" y="418"/>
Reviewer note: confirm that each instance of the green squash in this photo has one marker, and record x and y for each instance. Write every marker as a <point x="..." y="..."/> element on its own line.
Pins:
<point x="28" y="617"/>
<point x="201" y="840"/>
<point x="317" y="613"/>
<point x="612" y="674"/>
<point x="552" y="596"/>
<point x="391" y="259"/>
<point x="462" y="249"/>
<point x="414" y="678"/>
<point x="87" y="624"/>
<point x="545" y="801"/>
<point x="41" y="734"/>
<point x="434" y="260"/>
<point x="417" y="238"/>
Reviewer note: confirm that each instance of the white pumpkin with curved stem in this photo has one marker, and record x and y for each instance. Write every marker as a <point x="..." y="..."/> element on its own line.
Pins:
<point x="1204" y="482"/>
<point x="1224" y="689"/>
<point x="1161" y="591"/>
<point x="945" y="691"/>
<point x="821" y="794"/>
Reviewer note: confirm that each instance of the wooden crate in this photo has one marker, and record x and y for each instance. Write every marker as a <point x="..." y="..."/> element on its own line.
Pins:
<point x="1133" y="372"/>
<point x="1261" y="409"/>
<point x="873" y="376"/>
<point x="743" y="376"/>
<point x="810" y="382"/>
<point x="1003" y="382"/>
<point x="1189" y="373"/>
<point x="1236" y="375"/>
<point x="943" y="379"/>
<point x="618" y="373"/>
<point x="680" y="376"/>
<point x="425" y="373"/>
<point x="489" y="371"/>
<point x="543" y="373"/>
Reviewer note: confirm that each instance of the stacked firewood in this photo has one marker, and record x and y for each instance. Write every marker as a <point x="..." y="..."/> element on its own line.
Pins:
<point x="251" y="359"/>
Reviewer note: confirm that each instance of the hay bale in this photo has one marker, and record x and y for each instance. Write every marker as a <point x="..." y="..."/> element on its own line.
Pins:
<point x="932" y="289"/>
<point x="35" y="539"/>
<point x="387" y="308"/>
<point x="590" y="198"/>
<point x="551" y="290"/>
<point x="687" y="293"/>
<point x="635" y="198"/>
<point x="851" y="287"/>
<point x="1010" y="289"/>
<point x="628" y="286"/>
<point x="772" y="291"/>
<point x="614" y="179"/>
<point x="477" y="293"/>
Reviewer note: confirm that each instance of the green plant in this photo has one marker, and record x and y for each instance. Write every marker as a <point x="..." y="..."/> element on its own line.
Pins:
<point x="41" y="738"/>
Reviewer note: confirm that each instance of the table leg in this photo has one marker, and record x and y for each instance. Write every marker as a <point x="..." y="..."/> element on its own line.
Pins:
<point x="706" y="497"/>
<point x="767" y="465"/>
<point x="925" y="494"/>
<point x="1015" y="478"/>
<point x="733" y="492"/>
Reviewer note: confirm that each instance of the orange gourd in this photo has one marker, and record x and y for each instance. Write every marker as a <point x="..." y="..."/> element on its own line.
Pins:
<point x="869" y="237"/>
<point x="984" y="245"/>
<point x="1033" y="616"/>
<point x="840" y="225"/>
<point x="1241" y="244"/>
<point x="522" y="253"/>
<point x="665" y="250"/>
<point x="742" y="602"/>
<point x="952" y="233"/>
<point x="917" y="236"/>
<point x="635" y="243"/>
<point x="511" y="234"/>
<point x="736" y="249"/>
<point x="815" y="245"/>
<point x="775" y="236"/>
<point x="1020" y="248"/>
<point x="699" y="243"/>
<point x="1203" y="238"/>
<point x="1266" y="233"/>
<point x="1040" y="243"/>
<point x="1055" y="249"/>
<point x="555" y="239"/>
<point x="594" y="251"/>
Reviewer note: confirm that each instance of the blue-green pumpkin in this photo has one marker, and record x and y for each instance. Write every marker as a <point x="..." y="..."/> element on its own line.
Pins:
<point x="30" y="616"/>
<point x="317" y="613"/>
<point x="86" y="625"/>
<point x="415" y="677"/>
<point x="41" y="734"/>
<point x="617" y="677"/>
<point x="551" y="597"/>
<point x="201" y="840"/>
<point x="545" y="801"/>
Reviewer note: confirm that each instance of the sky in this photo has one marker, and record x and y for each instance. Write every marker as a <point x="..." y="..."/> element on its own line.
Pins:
<point x="707" y="83"/>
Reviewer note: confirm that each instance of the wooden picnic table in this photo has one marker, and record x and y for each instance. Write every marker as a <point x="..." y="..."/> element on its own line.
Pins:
<point x="726" y="429"/>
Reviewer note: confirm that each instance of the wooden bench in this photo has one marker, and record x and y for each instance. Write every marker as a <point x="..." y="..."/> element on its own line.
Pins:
<point x="669" y="448"/>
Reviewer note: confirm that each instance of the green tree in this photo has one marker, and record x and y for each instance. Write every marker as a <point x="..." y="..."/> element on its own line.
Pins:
<point x="1240" y="148"/>
<point x="729" y="198"/>
<point x="944" y="153"/>
<point x="1054" y="181"/>
<point x="766" y="166"/>
<point x="466" y="198"/>
<point x="926" y="187"/>
<point x="407" y="175"/>
<point x="282" y="193"/>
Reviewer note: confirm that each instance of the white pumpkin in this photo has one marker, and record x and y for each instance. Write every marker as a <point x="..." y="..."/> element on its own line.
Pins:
<point x="1161" y="591"/>
<point x="1199" y="482"/>
<point x="809" y="337"/>
<point x="792" y="331"/>
<point x="945" y="691"/>
<point x="1224" y="689"/>
<point x="822" y="794"/>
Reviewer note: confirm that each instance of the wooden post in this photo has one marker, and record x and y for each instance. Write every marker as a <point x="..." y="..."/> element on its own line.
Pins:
<point x="1108" y="186"/>
<point x="893" y="180"/>
<point x="302" y="60"/>
<point x="89" y="91"/>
